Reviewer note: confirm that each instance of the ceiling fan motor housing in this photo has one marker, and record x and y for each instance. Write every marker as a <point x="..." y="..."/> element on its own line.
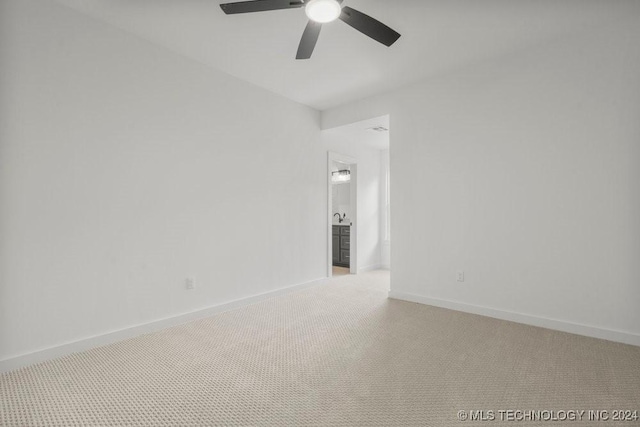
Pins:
<point x="323" y="11"/>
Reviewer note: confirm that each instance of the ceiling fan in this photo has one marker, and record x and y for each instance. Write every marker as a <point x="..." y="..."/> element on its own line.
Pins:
<point x="319" y="12"/>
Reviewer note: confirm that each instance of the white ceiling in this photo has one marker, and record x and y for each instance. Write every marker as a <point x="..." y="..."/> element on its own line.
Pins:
<point x="437" y="35"/>
<point x="362" y="133"/>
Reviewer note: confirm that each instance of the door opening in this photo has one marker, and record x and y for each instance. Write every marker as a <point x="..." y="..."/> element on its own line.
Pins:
<point x="342" y="184"/>
<point x="358" y="194"/>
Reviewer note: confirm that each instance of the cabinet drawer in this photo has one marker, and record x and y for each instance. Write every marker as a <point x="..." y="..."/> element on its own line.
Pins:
<point x="345" y="231"/>
<point x="344" y="256"/>
<point x="345" y="242"/>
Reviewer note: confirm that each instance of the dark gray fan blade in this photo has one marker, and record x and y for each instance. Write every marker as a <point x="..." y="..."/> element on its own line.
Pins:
<point x="369" y="26"/>
<point x="309" y="39"/>
<point x="259" y="6"/>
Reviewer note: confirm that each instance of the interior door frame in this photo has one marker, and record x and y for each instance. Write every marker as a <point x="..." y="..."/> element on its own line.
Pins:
<point x="353" y="165"/>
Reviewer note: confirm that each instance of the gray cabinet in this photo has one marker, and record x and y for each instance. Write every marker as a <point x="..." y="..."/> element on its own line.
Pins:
<point x="341" y="245"/>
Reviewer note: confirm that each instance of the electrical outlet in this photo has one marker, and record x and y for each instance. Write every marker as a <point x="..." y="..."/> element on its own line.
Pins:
<point x="190" y="283"/>
<point x="460" y="276"/>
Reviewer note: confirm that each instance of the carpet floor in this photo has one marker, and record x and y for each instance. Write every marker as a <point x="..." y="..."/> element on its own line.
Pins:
<point x="338" y="354"/>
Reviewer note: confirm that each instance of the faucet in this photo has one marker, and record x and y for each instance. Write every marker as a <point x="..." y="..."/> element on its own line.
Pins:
<point x="340" y="219"/>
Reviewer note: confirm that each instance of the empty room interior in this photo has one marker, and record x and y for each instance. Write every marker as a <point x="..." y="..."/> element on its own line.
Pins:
<point x="319" y="212"/>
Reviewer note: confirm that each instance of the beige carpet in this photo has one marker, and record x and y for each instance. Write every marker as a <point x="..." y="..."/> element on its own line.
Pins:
<point x="339" y="354"/>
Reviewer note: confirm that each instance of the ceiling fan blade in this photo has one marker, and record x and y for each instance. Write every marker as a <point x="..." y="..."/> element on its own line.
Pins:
<point x="309" y="40"/>
<point x="259" y="6"/>
<point x="369" y="26"/>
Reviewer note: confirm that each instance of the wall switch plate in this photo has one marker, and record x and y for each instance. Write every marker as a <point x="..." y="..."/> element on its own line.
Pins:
<point x="190" y="283"/>
<point x="460" y="276"/>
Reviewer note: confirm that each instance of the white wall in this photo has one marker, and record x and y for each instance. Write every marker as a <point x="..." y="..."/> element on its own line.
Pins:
<point x="368" y="212"/>
<point x="524" y="172"/>
<point x="341" y="195"/>
<point x="341" y="201"/>
<point x="125" y="168"/>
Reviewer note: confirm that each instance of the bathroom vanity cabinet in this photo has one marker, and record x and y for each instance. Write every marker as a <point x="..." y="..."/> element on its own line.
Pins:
<point x="341" y="244"/>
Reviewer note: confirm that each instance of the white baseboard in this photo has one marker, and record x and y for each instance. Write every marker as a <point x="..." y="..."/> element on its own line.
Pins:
<point x="370" y="268"/>
<point x="20" y="361"/>
<point x="558" y="325"/>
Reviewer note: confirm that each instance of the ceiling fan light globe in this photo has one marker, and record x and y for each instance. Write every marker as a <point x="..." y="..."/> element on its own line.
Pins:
<point x="323" y="11"/>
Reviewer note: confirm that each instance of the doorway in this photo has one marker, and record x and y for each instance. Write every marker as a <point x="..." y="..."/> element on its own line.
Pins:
<point x="358" y="189"/>
<point x="342" y="184"/>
